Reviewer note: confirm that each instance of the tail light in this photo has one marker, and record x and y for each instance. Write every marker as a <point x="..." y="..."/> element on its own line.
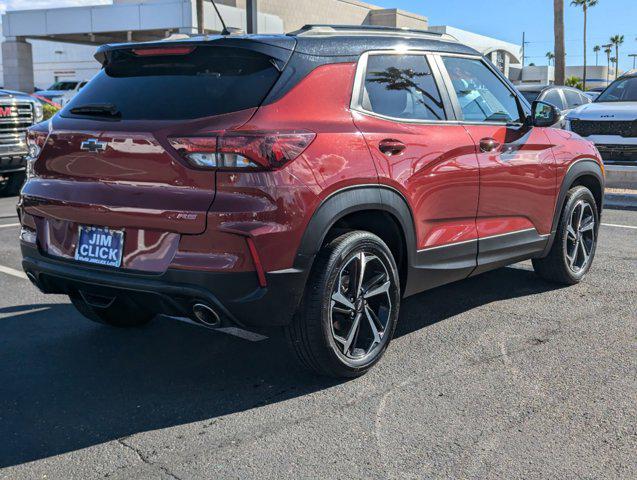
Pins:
<point x="238" y="150"/>
<point x="35" y="143"/>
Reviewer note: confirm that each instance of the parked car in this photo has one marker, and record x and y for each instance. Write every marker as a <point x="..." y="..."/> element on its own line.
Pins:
<point x="308" y="181"/>
<point x="62" y="91"/>
<point x="564" y="98"/>
<point x="592" y="95"/>
<point x="611" y="121"/>
<point x="18" y="111"/>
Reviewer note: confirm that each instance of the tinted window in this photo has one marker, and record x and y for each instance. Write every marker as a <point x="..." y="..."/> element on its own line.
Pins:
<point x="530" y="96"/>
<point x="554" y="98"/>
<point x="623" y="90"/>
<point x="207" y="81"/>
<point x="573" y="99"/>
<point x="401" y="86"/>
<point x="481" y="94"/>
<point x="63" y="86"/>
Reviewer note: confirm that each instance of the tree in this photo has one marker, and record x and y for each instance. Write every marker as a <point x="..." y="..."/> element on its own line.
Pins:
<point x="550" y="56"/>
<point x="607" y="51"/>
<point x="585" y="4"/>
<point x="574" y="82"/>
<point x="617" y="40"/>
<point x="597" y="49"/>
<point x="558" y="32"/>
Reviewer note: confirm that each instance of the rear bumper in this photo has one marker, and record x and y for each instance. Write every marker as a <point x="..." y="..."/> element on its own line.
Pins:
<point x="236" y="297"/>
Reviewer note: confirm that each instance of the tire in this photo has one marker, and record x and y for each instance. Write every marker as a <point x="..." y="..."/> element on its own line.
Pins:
<point x="119" y="313"/>
<point x="13" y="185"/>
<point x="345" y="337"/>
<point x="573" y="249"/>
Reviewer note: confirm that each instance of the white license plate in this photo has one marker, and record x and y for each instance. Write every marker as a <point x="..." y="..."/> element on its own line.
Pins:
<point x="101" y="246"/>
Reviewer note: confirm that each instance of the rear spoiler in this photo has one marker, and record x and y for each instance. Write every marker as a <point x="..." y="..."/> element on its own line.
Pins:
<point x="277" y="47"/>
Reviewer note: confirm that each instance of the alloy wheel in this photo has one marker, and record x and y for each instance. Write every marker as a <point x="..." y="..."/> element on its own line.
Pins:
<point x="580" y="236"/>
<point x="361" y="306"/>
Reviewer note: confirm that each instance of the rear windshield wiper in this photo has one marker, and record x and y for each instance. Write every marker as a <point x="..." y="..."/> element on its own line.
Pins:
<point x="97" y="109"/>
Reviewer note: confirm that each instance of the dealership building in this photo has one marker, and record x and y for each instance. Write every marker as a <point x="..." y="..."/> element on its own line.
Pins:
<point x="42" y="46"/>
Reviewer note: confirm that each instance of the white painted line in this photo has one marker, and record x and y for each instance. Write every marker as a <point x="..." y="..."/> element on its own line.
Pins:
<point x="10" y="225"/>
<point x="234" y="331"/>
<point x="241" y="333"/>
<point x="13" y="272"/>
<point x="619" y="226"/>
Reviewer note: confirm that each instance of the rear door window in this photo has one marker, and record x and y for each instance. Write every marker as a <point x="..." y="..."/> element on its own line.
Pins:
<point x="203" y="82"/>
<point x="573" y="98"/>
<point x="401" y="86"/>
<point x="553" y="97"/>
<point x="482" y="96"/>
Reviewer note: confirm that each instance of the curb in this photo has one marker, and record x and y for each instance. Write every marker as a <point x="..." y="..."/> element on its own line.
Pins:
<point x="621" y="201"/>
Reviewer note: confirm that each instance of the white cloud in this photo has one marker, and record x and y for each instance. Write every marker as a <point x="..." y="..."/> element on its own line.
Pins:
<point x="35" y="4"/>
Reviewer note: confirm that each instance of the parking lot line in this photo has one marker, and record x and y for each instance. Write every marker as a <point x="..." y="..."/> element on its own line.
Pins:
<point x="10" y="225"/>
<point x="619" y="226"/>
<point x="13" y="272"/>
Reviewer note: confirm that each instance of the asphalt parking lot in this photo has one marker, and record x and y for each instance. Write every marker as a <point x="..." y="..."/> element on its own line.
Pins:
<point x="500" y="376"/>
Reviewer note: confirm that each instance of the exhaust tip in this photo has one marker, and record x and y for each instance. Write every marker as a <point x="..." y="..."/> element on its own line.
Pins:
<point x="205" y="315"/>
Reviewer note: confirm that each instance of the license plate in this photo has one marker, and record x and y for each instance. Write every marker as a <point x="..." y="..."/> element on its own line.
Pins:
<point x="100" y="245"/>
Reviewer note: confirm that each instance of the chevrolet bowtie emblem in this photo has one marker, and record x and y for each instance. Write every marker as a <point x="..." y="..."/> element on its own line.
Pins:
<point x="93" y="145"/>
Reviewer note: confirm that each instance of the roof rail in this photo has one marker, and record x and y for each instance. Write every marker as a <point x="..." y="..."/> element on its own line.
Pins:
<point x="322" y="30"/>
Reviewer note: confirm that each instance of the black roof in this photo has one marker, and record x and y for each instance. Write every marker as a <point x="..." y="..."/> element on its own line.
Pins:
<point x="318" y="40"/>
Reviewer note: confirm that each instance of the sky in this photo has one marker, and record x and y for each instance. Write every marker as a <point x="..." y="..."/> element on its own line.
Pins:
<point x="503" y="19"/>
<point x="507" y="19"/>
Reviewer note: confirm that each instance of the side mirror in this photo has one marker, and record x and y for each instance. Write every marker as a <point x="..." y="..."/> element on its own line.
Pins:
<point x="544" y="114"/>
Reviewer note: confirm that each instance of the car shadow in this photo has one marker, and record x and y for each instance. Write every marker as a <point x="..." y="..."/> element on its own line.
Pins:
<point x="67" y="384"/>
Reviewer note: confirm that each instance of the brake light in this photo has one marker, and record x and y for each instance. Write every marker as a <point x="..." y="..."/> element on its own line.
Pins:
<point x="35" y="143"/>
<point x="150" y="52"/>
<point x="237" y="150"/>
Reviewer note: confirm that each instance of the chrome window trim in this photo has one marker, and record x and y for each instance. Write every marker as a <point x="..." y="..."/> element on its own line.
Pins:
<point x="359" y="82"/>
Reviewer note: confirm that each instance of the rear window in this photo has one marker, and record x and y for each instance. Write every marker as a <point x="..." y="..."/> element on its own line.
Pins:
<point x="206" y="81"/>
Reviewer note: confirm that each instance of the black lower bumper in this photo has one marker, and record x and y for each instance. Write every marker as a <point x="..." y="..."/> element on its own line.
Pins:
<point x="236" y="297"/>
<point x="12" y="163"/>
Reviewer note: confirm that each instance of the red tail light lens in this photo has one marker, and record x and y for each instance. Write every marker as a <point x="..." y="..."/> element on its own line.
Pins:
<point x="256" y="150"/>
<point x="151" y="52"/>
<point x="35" y="143"/>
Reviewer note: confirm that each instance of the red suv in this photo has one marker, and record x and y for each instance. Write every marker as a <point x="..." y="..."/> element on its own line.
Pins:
<point x="309" y="181"/>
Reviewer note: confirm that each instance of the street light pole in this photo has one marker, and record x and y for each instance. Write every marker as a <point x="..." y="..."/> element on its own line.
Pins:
<point x="634" y="55"/>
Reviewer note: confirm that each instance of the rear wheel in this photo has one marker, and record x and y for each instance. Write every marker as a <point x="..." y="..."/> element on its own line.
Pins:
<point x="573" y="249"/>
<point x="111" y="311"/>
<point x="350" y="309"/>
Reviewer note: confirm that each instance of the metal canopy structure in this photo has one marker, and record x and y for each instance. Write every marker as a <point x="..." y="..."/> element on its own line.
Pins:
<point x="123" y="21"/>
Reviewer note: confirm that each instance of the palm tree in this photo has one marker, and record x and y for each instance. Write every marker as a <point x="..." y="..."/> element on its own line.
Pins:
<point x="550" y="56"/>
<point x="607" y="51"/>
<point x="597" y="49"/>
<point x="585" y="4"/>
<point x="617" y="40"/>
<point x="558" y="31"/>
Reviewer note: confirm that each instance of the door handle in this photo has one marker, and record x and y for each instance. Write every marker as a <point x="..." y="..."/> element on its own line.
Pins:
<point x="489" y="145"/>
<point x="390" y="147"/>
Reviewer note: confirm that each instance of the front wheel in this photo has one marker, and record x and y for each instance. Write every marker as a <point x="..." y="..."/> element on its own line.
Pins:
<point x="12" y="184"/>
<point x="573" y="249"/>
<point x="350" y="309"/>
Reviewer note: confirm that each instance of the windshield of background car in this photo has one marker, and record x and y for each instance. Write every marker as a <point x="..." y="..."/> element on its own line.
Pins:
<point x="530" y="95"/>
<point x="623" y="90"/>
<point x="63" y="86"/>
<point x="202" y="82"/>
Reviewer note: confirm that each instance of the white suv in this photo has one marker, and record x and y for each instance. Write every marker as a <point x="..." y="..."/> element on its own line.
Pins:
<point x="610" y="122"/>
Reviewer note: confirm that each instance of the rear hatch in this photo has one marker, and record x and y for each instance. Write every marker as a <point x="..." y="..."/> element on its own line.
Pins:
<point x="108" y="161"/>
